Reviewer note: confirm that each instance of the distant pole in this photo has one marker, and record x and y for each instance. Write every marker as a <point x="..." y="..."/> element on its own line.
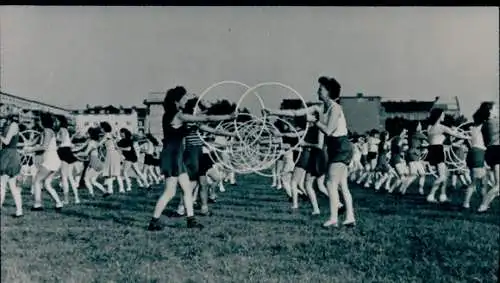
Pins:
<point x="1" y="63"/>
<point x="458" y="104"/>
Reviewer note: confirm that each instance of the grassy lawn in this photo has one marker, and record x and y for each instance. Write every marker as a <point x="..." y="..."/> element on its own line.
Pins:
<point x="252" y="237"/>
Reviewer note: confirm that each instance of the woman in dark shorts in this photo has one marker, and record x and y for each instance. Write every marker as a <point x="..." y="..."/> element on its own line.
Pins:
<point x="150" y="160"/>
<point x="373" y="141"/>
<point x="172" y="157"/>
<point x="383" y="169"/>
<point x="475" y="160"/>
<point x="127" y="147"/>
<point x="333" y="125"/>
<point x="398" y="162"/>
<point x="295" y="162"/>
<point x="94" y="165"/>
<point x="413" y="158"/>
<point x="197" y="163"/>
<point x="68" y="160"/>
<point x="435" y="152"/>
<point x="487" y="114"/>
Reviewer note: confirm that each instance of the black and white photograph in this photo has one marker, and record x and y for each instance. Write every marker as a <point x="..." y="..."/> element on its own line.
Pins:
<point x="249" y="144"/>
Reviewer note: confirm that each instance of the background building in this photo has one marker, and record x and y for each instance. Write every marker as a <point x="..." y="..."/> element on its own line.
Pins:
<point x="411" y="110"/>
<point x="31" y="109"/>
<point x="32" y="105"/>
<point x="363" y="113"/>
<point x="154" y="108"/>
<point x="450" y="105"/>
<point x="132" y="118"/>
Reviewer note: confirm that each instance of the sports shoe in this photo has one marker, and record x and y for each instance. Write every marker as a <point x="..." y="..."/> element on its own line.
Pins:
<point x="155" y="225"/>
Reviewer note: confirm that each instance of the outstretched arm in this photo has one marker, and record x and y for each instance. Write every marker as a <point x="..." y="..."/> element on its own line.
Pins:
<point x="47" y="135"/>
<point x="204" y="118"/>
<point x="220" y="132"/>
<point x="292" y="134"/>
<point x="292" y="113"/>
<point x="454" y="133"/>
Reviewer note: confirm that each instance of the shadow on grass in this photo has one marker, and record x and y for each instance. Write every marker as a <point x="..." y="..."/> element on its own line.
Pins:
<point x="123" y="220"/>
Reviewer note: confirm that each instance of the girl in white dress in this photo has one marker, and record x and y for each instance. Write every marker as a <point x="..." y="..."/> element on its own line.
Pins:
<point x="49" y="166"/>
<point x="112" y="163"/>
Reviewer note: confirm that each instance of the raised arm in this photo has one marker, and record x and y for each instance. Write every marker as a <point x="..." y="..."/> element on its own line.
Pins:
<point x="13" y="130"/>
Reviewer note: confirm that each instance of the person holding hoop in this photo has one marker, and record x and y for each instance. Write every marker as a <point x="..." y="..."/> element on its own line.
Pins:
<point x="437" y="134"/>
<point x="333" y="124"/>
<point x="172" y="157"/>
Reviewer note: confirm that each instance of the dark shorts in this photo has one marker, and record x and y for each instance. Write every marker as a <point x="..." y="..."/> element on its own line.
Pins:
<point x="172" y="159"/>
<point x="435" y="154"/>
<point x="339" y="149"/>
<point x="205" y="164"/>
<point x="413" y="155"/>
<point x="475" y="158"/>
<point x="396" y="159"/>
<point x="492" y="155"/>
<point x="296" y="155"/>
<point x="364" y="160"/>
<point x="317" y="165"/>
<point x="192" y="159"/>
<point x="130" y="156"/>
<point x="383" y="164"/>
<point x="371" y="156"/>
<point x="150" y="160"/>
<point x="304" y="158"/>
<point x="10" y="162"/>
<point x="66" y="155"/>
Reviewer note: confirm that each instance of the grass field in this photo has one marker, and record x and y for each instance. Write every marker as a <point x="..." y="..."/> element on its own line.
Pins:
<point x="252" y="237"/>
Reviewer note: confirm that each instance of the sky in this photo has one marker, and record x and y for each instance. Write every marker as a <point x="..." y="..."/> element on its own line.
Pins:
<point x="74" y="56"/>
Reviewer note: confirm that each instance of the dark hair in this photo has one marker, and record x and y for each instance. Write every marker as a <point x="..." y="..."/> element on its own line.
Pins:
<point x="243" y="116"/>
<point x="291" y="104"/>
<point x="47" y="120"/>
<point x="189" y="107"/>
<point x="106" y="127"/>
<point x="483" y="112"/>
<point x="222" y="107"/>
<point x="172" y="96"/>
<point x="332" y="86"/>
<point x="94" y="133"/>
<point x="63" y="122"/>
<point x="435" y="115"/>
<point x="383" y="140"/>
<point x="153" y="140"/>
<point x="126" y="133"/>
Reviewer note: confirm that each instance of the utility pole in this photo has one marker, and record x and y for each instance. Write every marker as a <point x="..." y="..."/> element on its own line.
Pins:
<point x="458" y="104"/>
<point x="1" y="63"/>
